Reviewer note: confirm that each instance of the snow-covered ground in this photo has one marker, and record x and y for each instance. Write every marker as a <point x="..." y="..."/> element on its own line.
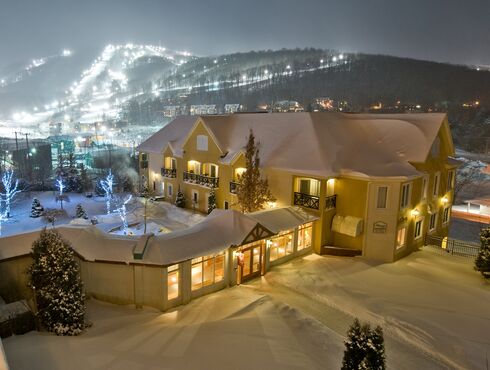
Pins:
<point x="161" y="214"/>
<point x="433" y="309"/>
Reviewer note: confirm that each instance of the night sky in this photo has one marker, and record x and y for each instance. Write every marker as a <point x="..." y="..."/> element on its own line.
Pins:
<point x="442" y="30"/>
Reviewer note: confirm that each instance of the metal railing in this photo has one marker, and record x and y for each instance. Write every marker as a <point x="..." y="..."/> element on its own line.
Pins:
<point x="452" y="246"/>
<point x="208" y="181"/>
<point x="306" y="200"/>
<point x="331" y="202"/>
<point x="169" y="172"/>
<point x="233" y="187"/>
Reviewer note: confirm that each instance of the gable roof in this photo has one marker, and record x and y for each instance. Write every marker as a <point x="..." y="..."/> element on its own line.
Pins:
<point x="318" y="144"/>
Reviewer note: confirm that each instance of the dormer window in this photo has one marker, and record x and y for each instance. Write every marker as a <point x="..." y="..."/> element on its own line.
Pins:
<point x="202" y="143"/>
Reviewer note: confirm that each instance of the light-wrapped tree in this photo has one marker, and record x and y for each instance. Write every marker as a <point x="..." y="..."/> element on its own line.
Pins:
<point x="55" y="278"/>
<point x="252" y="190"/>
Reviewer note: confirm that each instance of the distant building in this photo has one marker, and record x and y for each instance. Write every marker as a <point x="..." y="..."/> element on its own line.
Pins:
<point x="286" y="106"/>
<point x="323" y="105"/>
<point x="203" y="109"/>
<point x="174" y="110"/>
<point x="233" y="108"/>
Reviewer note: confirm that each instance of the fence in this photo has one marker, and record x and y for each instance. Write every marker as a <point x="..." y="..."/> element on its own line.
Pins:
<point x="453" y="246"/>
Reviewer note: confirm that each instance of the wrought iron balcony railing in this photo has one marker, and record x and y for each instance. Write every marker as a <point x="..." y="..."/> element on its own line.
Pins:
<point x="306" y="200"/>
<point x="169" y="172"/>
<point x="208" y="181"/>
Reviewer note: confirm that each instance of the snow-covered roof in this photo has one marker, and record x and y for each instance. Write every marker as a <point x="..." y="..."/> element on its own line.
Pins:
<point x="282" y="219"/>
<point x="217" y="232"/>
<point x="89" y="242"/>
<point x="319" y="144"/>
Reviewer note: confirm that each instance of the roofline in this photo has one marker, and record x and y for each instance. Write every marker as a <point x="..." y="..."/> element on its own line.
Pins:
<point x="209" y="131"/>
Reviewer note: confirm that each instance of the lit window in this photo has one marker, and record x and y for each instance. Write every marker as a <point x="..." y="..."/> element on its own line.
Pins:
<point x="435" y="190"/>
<point x="405" y="196"/>
<point x="172" y="282"/>
<point x="450" y="180"/>
<point x="382" y="195"/>
<point x="445" y="217"/>
<point x="433" y="222"/>
<point x="418" y="229"/>
<point x="401" y="237"/>
<point x="425" y="187"/>
<point x="281" y="245"/>
<point x="304" y="236"/>
<point x="207" y="270"/>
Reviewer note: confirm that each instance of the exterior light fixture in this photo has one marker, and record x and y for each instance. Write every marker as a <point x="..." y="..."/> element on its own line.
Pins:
<point x="444" y="200"/>
<point x="415" y="212"/>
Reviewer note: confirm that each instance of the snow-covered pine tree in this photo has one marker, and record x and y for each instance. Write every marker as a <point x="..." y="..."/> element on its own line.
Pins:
<point x="355" y="347"/>
<point x="375" y="355"/>
<point x="55" y="278"/>
<point x="482" y="261"/>
<point x="180" y="199"/>
<point x="211" y="201"/>
<point x="252" y="191"/>
<point x="364" y="348"/>
<point x="80" y="212"/>
<point x="37" y="209"/>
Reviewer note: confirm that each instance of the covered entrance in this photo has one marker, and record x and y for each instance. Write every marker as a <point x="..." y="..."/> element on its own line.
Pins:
<point x="251" y="259"/>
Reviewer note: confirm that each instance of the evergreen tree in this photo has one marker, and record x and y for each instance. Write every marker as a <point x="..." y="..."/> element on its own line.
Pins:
<point x="80" y="212"/>
<point x="85" y="183"/>
<point x="364" y="348"/>
<point x="482" y="261"/>
<point x="180" y="199"/>
<point x="252" y="191"/>
<point x="211" y="201"/>
<point x="55" y="278"/>
<point x="355" y="350"/>
<point x="37" y="209"/>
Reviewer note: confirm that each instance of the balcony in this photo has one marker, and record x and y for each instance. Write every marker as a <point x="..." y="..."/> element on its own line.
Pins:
<point x="331" y="202"/>
<point x="169" y="172"/>
<point x="207" y="181"/>
<point x="306" y="200"/>
<point x="233" y="187"/>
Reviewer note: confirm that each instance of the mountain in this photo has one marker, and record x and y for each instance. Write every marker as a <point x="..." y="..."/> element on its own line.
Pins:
<point x="136" y="81"/>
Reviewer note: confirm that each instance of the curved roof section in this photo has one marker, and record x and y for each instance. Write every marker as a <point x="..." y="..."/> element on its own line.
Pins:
<point x="317" y="144"/>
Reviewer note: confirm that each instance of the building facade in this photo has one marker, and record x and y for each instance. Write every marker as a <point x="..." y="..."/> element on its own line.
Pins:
<point x="378" y="183"/>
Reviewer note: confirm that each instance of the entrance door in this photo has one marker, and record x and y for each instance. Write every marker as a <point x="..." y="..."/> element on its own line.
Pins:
<point x="252" y="262"/>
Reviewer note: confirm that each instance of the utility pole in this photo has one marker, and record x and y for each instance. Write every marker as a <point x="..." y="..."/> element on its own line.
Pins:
<point x="16" y="140"/>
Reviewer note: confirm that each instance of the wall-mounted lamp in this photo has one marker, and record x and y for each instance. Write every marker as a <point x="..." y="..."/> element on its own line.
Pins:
<point x="415" y="212"/>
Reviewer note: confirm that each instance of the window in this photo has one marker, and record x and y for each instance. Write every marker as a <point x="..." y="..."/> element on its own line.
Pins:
<point x="281" y="245"/>
<point x="207" y="270"/>
<point x="450" y="180"/>
<point x="435" y="190"/>
<point x="382" y="195"/>
<point x="195" y="197"/>
<point x="433" y="221"/>
<point x="172" y="282"/>
<point x="154" y="185"/>
<point x="169" y="190"/>
<point x="401" y="237"/>
<point x="202" y="143"/>
<point x="304" y="236"/>
<point x="210" y="170"/>
<point x="425" y="187"/>
<point x="445" y="217"/>
<point x="170" y="163"/>
<point x="418" y="229"/>
<point x="405" y="196"/>
<point x="226" y="205"/>
<point x="194" y="167"/>
<point x="309" y="186"/>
